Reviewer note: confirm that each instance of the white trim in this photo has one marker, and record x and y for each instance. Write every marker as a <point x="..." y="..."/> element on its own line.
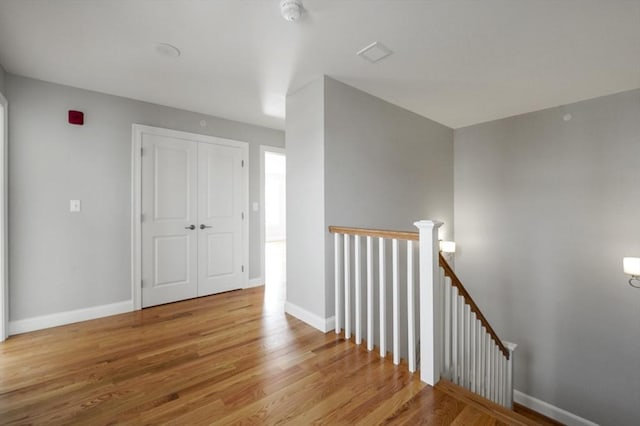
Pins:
<point x="136" y="214"/>
<point x="255" y="282"/>
<point x="4" y="247"/>
<point x="263" y="240"/>
<point x="330" y="323"/>
<point x="550" y="411"/>
<point x="315" y="321"/>
<point x="68" y="317"/>
<point x="136" y="198"/>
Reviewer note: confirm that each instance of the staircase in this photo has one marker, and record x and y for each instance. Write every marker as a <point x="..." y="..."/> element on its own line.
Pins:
<point x="413" y="305"/>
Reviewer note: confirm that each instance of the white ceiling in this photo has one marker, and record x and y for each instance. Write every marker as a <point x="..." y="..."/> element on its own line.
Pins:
<point x="456" y="62"/>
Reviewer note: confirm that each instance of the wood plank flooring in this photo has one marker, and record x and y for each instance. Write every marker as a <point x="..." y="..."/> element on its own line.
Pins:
<point x="224" y="359"/>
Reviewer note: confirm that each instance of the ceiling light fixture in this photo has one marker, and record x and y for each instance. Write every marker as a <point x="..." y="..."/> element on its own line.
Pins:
<point x="374" y="52"/>
<point x="631" y="267"/>
<point x="165" y="49"/>
<point x="291" y="9"/>
<point x="447" y="246"/>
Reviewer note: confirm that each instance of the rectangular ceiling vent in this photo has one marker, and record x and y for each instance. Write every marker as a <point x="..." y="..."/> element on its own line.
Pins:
<point x="374" y="52"/>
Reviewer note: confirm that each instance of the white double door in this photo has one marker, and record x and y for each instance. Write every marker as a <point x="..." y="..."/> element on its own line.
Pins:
<point x="192" y="217"/>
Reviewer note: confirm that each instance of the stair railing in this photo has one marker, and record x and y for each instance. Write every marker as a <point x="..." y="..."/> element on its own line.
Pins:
<point x="473" y="356"/>
<point x="346" y="310"/>
<point x="446" y="333"/>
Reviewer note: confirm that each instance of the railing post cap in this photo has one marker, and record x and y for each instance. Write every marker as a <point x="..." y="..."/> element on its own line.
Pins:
<point x="428" y="224"/>
<point x="510" y="346"/>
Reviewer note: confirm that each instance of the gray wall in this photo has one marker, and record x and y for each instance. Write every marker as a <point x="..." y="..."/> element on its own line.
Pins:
<point x="61" y="261"/>
<point x="356" y="160"/>
<point x="305" y="198"/>
<point x="385" y="167"/>
<point x="544" y="212"/>
<point x="2" y="78"/>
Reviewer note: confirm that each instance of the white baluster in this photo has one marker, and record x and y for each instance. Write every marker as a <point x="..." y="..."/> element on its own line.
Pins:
<point x="358" y="283"/>
<point x="383" y="298"/>
<point x="504" y="381"/>
<point x="478" y="350"/>
<point x="461" y="309"/>
<point x="496" y="374"/>
<point x="491" y="368"/>
<point x="396" y="302"/>
<point x="491" y="379"/>
<point x="454" y="334"/>
<point x="411" y="315"/>
<point x="336" y="260"/>
<point x="467" y="346"/>
<point x="470" y="358"/>
<point x="499" y="377"/>
<point x="447" y="326"/>
<point x="472" y="352"/>
<point x="347" y="287"/>
<point x="481" y="362"/>
<point x="492" y="355"/>
<point x="369" y="293"/>
<point x="501" y="381"/>
<point x="442" y="309"/>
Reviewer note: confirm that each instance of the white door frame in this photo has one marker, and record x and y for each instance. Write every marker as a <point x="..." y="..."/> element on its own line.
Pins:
<point x="263" y="239"/>
<point x="136" y="198"/>
<point x="4" y="247"/>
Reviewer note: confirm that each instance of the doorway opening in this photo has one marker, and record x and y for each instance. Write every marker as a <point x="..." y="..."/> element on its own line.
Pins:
<point x="274" y="224"/>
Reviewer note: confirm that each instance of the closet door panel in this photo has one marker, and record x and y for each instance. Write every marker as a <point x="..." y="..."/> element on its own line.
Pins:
<point x="220" y="216"/>
<point x="169" y="208"/>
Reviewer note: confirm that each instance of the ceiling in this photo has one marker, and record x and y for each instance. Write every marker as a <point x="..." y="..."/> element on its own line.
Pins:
<point x="456" y="62"/>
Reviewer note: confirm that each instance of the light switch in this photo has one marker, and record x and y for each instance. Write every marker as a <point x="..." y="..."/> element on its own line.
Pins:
<point x="74" y="206"/>
<point x="255" y="206"/>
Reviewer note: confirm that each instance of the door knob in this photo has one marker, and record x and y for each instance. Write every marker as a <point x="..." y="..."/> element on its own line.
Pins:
<point x="192" y="227"/>
<point x="203" y="226"/>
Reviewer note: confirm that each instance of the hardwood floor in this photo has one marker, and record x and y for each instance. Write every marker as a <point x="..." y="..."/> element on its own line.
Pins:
<point x="534" y="415"/>
<point x="225" y="359"/>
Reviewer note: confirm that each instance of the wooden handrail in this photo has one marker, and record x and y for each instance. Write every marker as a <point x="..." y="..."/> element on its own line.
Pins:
<point x="469" y="301"/>
<point x="380" y="233"/>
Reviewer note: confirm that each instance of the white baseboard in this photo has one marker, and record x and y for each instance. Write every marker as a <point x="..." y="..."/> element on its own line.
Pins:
<point x="550" y="411"/>
<point x="315" y="321"/>
<point x="68" y="317"/>
<point x="330" y="323"/>
<point x="255" y="282"/>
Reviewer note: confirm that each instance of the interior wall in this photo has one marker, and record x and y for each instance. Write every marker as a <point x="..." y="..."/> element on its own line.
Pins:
<point x="545" y="210"/>
<point x="356" y="160"/>
<point x="2" y="78"/>
<point x="304" y="132"/>
<point x="61" y="261"/>
<point x="385" y="168"/>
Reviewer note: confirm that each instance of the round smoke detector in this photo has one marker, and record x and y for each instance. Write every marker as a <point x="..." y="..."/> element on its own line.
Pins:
<point x="291" y="9"/>
<point x="166" y="49"/>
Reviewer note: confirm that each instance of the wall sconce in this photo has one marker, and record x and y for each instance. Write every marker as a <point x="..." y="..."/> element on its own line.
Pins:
<point x="447" y="246"/>
<point x="631" y="267"/>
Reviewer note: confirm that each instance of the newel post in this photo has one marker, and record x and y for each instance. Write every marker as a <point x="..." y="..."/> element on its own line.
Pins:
<point x="511" y="347"/>
<point x="430" y="326"/>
